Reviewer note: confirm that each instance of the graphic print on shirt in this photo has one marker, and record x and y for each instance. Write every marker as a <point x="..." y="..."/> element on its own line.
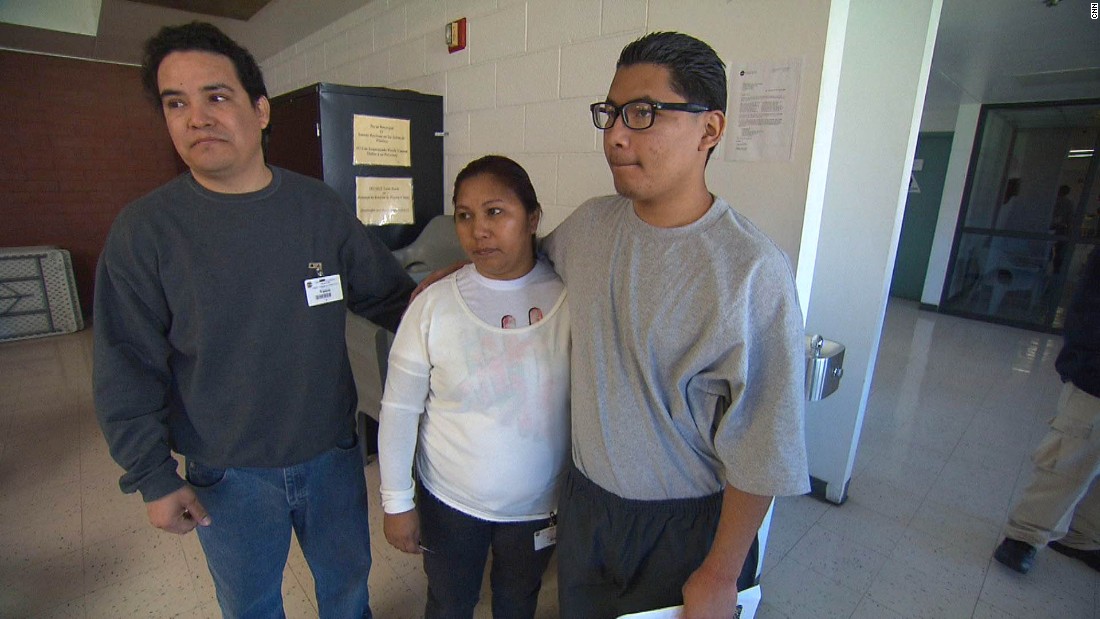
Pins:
<point x="504" y="380"/>
<point x="508" y="321"/>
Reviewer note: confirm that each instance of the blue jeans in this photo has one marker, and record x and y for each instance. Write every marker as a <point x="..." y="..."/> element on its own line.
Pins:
<point x="253" y="510"/>
<point x="456" y="546"/>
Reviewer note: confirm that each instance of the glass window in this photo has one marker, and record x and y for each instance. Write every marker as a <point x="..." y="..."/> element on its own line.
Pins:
<point x="1030" y="214"/>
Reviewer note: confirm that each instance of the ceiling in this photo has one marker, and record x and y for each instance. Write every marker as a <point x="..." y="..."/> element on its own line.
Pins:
<point x="986" y="50"/>
<point x="265" y="27"/>
<point x="1006" y="51"/>
<point x="236" y="9"/>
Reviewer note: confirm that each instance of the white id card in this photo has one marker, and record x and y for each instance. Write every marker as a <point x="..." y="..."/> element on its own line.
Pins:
<point x="547" y="537"/>
<point x="321" y="290"/>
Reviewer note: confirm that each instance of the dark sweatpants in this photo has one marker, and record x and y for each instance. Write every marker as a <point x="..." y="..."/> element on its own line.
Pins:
<point x="618" y="556"/>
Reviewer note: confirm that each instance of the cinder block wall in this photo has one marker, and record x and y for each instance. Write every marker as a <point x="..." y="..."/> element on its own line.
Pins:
<point x="521" y="88"/>
<point x="532" y="67"/>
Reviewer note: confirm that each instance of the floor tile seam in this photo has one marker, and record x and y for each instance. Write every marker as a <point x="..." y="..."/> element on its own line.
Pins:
<point x="16" y="522"/>
<point x="903" y="560"/>
<point x="63" y="602"/>
<point x="44" y="561"/>
<point x="850" y="542"/>
<point x="906" y="611"/>
<point x="995" y="601"/>
<point x="83" y="522"/>
<point x="855" y="540"/>
<point x="90" y="590"/>
<point x="129" y="530"/>
<point x="955" y="444"/>
<point x="816" y="521"/>
<point x="833" y="581"/>
<point x="944" y="540"/>
<point x="141" y="550"/>
<point x="302" y="584"/>
<point x="1054" y="588"/>
<point x="189" y="611"/>
<point x="903" y="612"/>
<point x="969" y="509"/>
<point x="908" y="520"/>
<point x="194" y="574"/>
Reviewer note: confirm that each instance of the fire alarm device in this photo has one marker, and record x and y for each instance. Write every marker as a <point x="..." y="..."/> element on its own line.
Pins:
<point x="455" y="33"/>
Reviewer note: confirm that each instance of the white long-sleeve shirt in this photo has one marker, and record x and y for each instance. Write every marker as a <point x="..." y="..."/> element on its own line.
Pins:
<point x="483" y="409"/>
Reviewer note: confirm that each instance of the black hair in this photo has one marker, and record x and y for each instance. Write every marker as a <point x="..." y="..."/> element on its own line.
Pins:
<point x="507" y="172"/>
<point x="696" y="72"/>
<point x="200" y="37"/>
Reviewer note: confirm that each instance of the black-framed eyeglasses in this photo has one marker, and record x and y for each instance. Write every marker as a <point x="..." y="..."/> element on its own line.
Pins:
<point x="637" y="114"/>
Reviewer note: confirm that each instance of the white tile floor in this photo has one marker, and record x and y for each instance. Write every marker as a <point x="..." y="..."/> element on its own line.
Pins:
<point x="955" y="409"/>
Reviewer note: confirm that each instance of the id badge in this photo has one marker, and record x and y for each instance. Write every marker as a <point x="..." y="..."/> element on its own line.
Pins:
<point x="321" y="290"/>
<point x="546" y="537"/>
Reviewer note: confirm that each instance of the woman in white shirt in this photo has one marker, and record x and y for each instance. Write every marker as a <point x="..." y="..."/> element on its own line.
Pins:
<point x="477" y="397"/>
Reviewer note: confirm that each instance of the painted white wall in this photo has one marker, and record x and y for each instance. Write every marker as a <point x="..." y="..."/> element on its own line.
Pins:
<point x="822" y="149"/>
<point x="887" y="56"/>
<point x="939" y="119"/>
<point x="523" y="85"/>
<point x="962" y="145"/>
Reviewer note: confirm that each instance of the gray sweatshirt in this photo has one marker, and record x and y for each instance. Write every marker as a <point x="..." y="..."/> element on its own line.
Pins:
<point x="204" y="341"/>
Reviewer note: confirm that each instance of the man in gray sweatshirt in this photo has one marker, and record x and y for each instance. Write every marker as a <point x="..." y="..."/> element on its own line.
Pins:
<point x="219" y="335"/>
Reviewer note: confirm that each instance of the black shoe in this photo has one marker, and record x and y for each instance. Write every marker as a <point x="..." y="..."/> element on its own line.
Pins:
<point x="1090" y="557"/>
<point x="1015" y="554"/>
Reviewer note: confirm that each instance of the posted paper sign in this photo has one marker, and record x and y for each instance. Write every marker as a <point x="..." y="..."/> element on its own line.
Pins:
<point x="763" y="102"/>
<point x="381" y="141"/>
<point x="383" y="201"/>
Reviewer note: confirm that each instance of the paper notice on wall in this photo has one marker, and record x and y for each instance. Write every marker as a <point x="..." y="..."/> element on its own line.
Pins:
<point x="381" y="141"/>
<point x="384" y="201"/>
<point x="763" y="103"/>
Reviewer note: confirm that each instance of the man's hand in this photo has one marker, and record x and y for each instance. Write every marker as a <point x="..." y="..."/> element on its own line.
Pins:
<point x="178" y="512"/>
<point x="708" y="595"/>
<point x="403" y="531"/>
<point x="435" y="276"/>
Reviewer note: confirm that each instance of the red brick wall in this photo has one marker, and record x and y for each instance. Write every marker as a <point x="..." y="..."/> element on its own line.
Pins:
<point x="78" y="141"/>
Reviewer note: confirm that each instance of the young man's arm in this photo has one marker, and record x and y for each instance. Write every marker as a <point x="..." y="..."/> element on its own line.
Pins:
<point x="711" y="591"/>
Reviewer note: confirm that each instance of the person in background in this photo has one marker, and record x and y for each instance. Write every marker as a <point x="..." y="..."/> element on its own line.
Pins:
<point x="220" y="305"/>
<point x="477" y="395"/>
<point x="1060" y="220"/>
<point x="1060" y="507"/>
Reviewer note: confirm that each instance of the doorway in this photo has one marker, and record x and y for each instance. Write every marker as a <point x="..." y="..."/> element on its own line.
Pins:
<point x="922" y="208"/>
<point x="1029" y="216"/>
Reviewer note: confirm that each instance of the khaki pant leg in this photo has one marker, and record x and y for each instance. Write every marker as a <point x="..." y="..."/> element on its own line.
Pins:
<point x="1084" y="529"/>
<point x="1066" y="462"/>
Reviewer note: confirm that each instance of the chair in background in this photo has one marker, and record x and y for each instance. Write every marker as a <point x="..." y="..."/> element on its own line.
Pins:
<point x="1011" y="266"/>
<point x="435" y="247"/>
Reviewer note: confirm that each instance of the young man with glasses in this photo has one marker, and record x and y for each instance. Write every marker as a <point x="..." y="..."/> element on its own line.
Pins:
<point x="687" y="359"/>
